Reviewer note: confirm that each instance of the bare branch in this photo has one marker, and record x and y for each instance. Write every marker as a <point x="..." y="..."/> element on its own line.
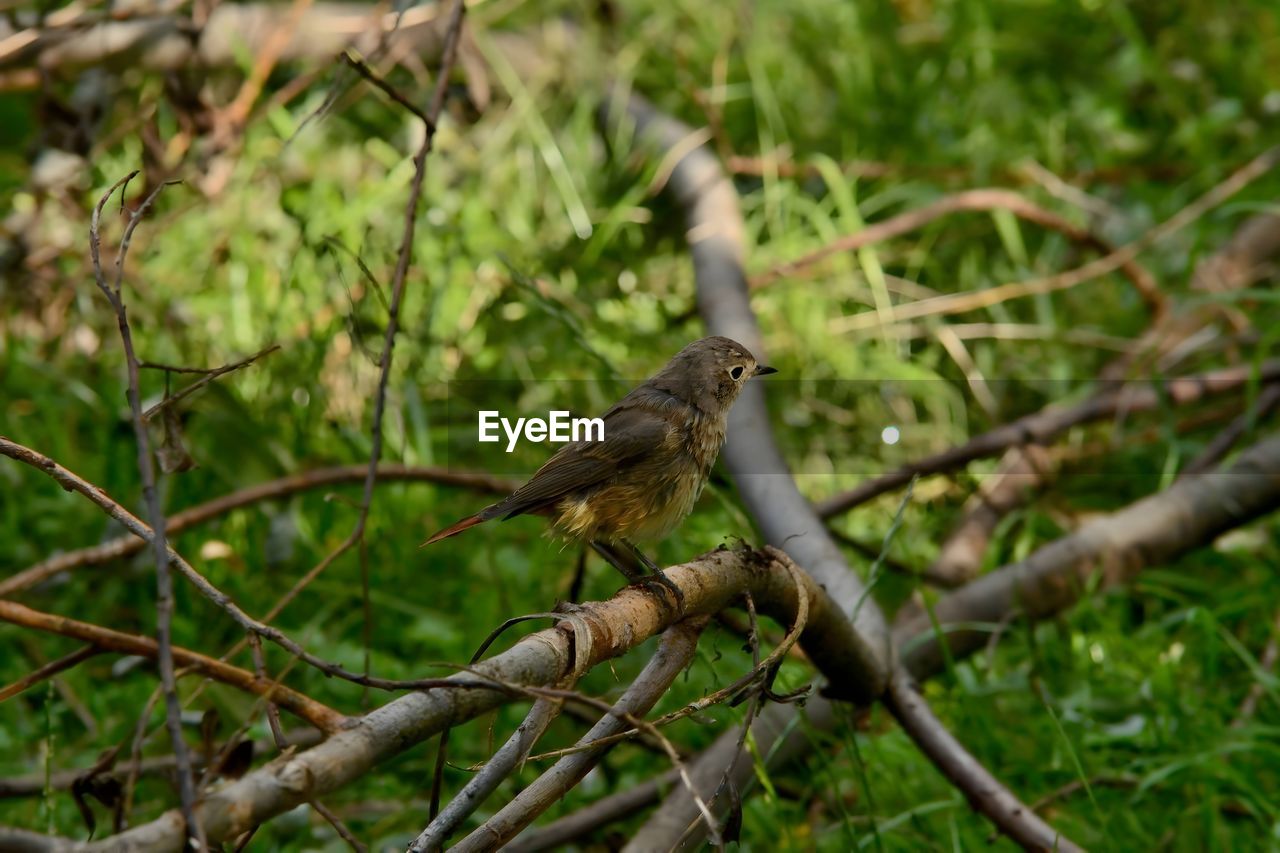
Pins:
<point x="1222" y="443"/>
<point x="209" y="376"/>
<point x="319" y="715"/>
<point x="679" y="643"/>
<point x="164" y="584"/>
<point x="72" y="482"/>
<point x="786" y="518"/>
<point x="1043" y="426"/>
<point x="958" y="303"/>
<point x="545" y="657"/>
<point x="125" y="546"/>
<point x="983" y="790"/>
<point x="504" y="762"/>
<point x="1190" y="513"/>
<point x="969" y="201"/>
<point x="48" y="671"/>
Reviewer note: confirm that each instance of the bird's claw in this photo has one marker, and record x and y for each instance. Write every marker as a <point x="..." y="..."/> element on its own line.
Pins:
<point x="659" y="584"/>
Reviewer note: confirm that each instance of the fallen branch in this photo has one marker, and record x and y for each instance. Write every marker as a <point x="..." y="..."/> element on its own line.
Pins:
<point x="679" y="643"/>
<point x="126" y="546"/>
<point x="1043" y="426"/>
<point x="1189" y="514"/>
<point x="1151" y="532"/>
<point x="714" y="225"/>
<point x="984" y="792"/>
<point x="971" y="201"/>
<point x="605" y="630"/>
<point x="1233" y="266"/>
<point x="319" y="715"/>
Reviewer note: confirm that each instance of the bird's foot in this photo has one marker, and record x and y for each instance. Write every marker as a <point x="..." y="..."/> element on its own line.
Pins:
<point x="660" y="585"/>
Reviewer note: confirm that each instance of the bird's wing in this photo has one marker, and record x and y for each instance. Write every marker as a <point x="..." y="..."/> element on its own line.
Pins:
<point x="630" y="433"/>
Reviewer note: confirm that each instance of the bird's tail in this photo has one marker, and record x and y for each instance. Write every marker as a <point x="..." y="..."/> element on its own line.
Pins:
<point x="457" y="527"/>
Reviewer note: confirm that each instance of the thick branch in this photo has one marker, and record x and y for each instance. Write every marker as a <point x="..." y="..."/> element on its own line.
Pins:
<point x="1191" y="513"/>
<point x="715" y="233"/>
<point x="672" y="657"/>
<point x="600" y="631"/>
<point x="984" y="791"/>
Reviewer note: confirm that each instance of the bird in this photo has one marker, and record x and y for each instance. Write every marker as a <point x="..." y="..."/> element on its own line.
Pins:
<point x="643" y="477"/>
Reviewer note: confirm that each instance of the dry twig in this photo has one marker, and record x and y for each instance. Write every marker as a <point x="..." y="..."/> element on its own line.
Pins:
<point x="113" y="291"/>
<point x="1048" y="423"/>
<point x="321" y="716"/>
<point x="125" y="546"/>
<point x="959" y="303"/>
<point x="968" y="201"/>
<point x="980" y="787"/>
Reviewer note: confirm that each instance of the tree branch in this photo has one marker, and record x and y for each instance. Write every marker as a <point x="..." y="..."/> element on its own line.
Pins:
<point x="971" y="201"/>
<point x="146" y="469"/>
<point x="125" y="546"/>
<point x="676" y="651"/>
<point x="983" y="790"/>
<point x="321" y="716"/>
<point x="1190" y="513"/>
<point x="708" y="584"/>
<point x="1045" y="425"/>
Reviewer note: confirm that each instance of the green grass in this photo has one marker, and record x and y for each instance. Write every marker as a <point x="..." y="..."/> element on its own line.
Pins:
<point x="539" y="257"/>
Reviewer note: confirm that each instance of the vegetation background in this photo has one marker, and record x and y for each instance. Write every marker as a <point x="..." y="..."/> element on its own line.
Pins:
<point x="541" y="257"/>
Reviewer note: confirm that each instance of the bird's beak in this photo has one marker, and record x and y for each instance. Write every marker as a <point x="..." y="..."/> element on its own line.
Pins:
<point x="761" y="370"/>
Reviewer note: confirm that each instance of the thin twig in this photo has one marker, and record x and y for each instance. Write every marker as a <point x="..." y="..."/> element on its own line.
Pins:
<point x="48" y="671"/>
<point x="1222" y="443"/>
<point x="969" y="201"/>
<point x="386" y="88"/>
<point x="958" y="303"/>
<point x="209" y="376"/>
<point x="1043" y="426"/>
<point x="338" y="826"/>
<point x="319" y="715"/>
<point x="125" y="546"/>
<point x="146" y="469"/>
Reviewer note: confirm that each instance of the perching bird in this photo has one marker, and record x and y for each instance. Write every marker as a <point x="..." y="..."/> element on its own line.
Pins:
<point x="645" y="475"/>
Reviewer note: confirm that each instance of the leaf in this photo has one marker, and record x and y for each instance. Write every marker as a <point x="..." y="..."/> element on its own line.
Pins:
<point x="238" y="761"/>
<point x="172" y="452"/>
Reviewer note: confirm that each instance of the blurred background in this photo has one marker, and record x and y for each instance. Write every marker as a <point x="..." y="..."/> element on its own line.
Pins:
<point x="549" y="272"/>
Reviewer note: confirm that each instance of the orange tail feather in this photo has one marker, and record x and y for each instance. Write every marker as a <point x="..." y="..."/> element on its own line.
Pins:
<point x="455" y="529"/>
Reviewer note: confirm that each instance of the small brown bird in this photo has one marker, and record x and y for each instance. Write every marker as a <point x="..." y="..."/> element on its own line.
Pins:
<point x="644" y="477"/>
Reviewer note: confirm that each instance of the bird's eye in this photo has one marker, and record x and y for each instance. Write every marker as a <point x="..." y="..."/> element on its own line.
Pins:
<point x="736" y="372"/>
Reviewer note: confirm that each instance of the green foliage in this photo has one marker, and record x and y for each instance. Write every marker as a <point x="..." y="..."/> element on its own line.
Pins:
<point x="539" y="257"/>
